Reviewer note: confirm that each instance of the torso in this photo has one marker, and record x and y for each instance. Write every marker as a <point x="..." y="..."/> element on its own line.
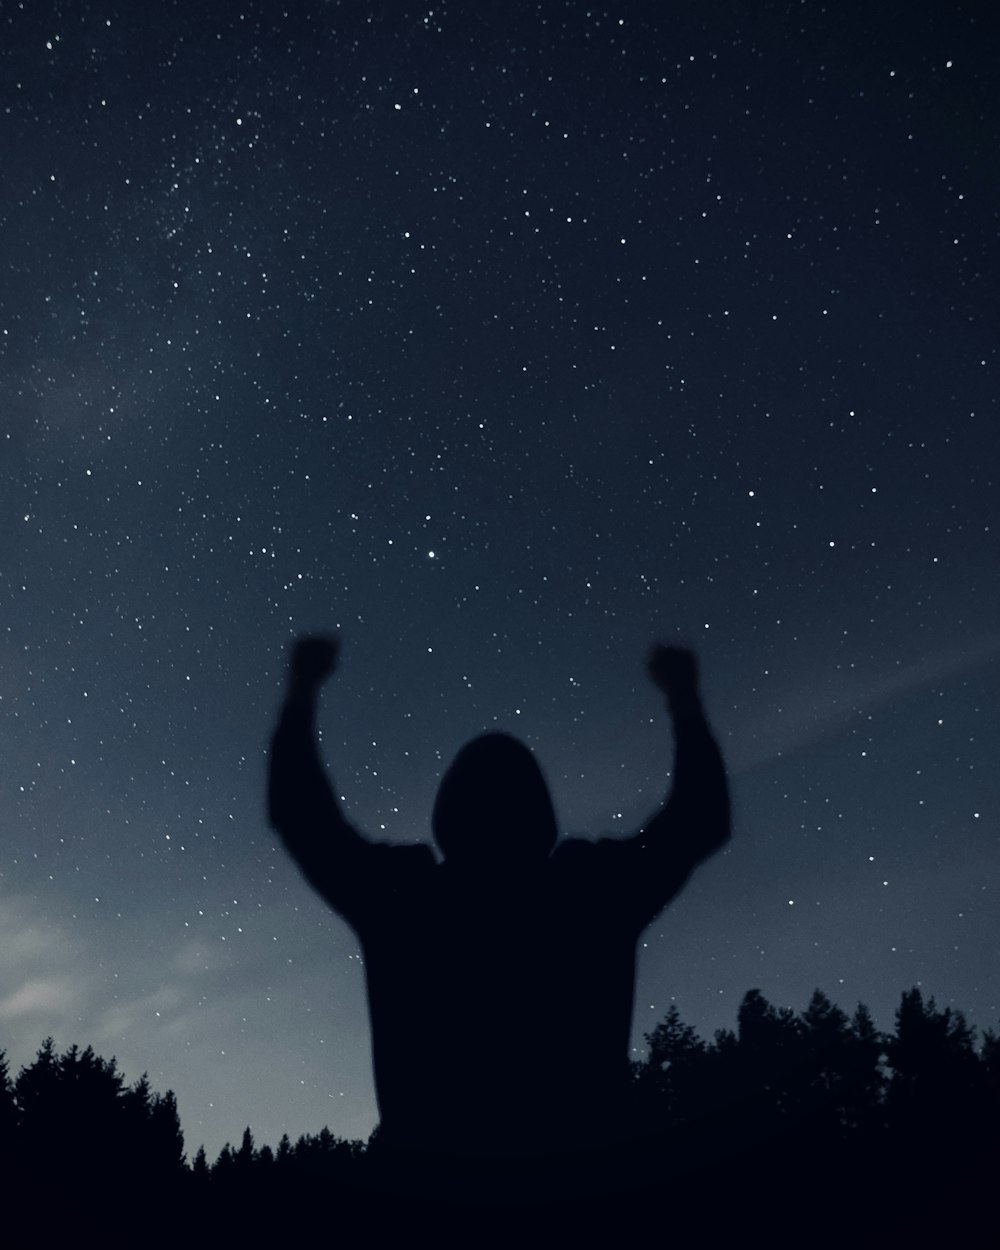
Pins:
<point x="500" y="1010"/>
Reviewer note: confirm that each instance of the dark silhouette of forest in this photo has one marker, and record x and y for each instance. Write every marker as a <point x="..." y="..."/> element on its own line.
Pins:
<point x="808" y="1128"/>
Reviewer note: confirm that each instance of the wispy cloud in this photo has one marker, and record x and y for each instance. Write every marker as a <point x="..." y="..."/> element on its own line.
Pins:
<point x="26" y="938"/>
<point x="806" y="714"/>
<point x="42" y="997"/>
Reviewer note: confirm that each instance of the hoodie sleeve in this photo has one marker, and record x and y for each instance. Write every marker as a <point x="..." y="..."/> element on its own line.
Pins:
<point x="654" y="865"/>
<point x="332" y="855"/>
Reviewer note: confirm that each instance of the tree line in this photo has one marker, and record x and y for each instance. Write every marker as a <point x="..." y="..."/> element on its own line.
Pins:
<point x="902" y="1125"/>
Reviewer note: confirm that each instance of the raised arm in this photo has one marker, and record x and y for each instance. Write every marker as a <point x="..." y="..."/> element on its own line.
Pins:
<point x="301" y="803"/>
<point x="694" y="822"/>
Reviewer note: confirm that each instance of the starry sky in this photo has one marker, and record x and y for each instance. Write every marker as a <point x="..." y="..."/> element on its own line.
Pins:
<point x="502" y="340"/>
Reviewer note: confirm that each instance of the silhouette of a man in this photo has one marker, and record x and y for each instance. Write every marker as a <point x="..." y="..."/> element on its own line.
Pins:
<point x="500" y="979"/>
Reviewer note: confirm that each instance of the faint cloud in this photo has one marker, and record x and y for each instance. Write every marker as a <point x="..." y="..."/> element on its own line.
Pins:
<point x="37" y="997"/>
<point x="25" y="938"/>
<point x="808" y="714"/>
<point x="145" y="1011"/>
<point x="194" y="956"/>
<point x="46" y="977"/>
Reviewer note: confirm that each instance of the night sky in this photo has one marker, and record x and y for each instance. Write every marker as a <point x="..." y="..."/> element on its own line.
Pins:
<point x="502" y="340"/>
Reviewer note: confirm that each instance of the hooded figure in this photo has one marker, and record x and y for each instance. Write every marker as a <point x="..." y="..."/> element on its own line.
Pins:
<point x="501" y="979"/>
<point x="493" y="806"/>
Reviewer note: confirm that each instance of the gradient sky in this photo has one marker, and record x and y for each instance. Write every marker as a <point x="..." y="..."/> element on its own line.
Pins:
<point x="503" y="340"/>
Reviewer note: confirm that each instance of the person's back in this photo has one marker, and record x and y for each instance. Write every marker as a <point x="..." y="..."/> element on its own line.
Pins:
<point x="500" y="1008"/>
<point x="500" y="980"/>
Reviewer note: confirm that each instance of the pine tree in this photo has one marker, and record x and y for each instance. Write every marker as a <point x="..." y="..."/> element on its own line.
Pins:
<point x="163" y="1132"/>
<point x="937" y="1078"/>
<point x="244" y="1157"/>
<point x="8" y="1119"/>
<point x="223" y="1166"/>
<point x="674" y="1071"/>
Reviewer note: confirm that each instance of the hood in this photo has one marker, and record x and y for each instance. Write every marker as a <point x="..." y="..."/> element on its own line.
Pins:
<point x="493" y="805"/>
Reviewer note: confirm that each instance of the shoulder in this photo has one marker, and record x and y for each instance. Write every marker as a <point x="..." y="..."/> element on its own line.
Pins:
<point x="597" y="855"/>
<point x="383" y="875"/>
<point x="401" y="857"/>
<point x="380" y="863"/>
<point x="591" y="848"/>
<point x="617" y="872"/>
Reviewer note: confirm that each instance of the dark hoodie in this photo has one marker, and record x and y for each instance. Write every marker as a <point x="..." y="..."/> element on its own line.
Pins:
<point x="500" y="981"/>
